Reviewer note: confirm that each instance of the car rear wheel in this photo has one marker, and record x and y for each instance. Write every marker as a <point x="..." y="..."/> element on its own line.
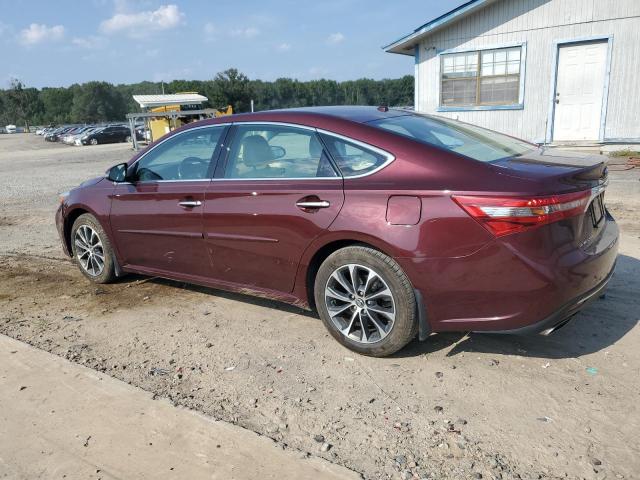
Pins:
<point x="127" y="139"/>
<point x="92" y="250"/>
<point x="366" y="301"/>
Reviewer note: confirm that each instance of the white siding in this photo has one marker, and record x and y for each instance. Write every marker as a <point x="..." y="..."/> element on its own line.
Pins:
<point x="539" y="23"/>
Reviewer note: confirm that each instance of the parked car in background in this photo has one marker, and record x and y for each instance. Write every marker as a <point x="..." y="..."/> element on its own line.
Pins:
<point x="71" y="136"/>
<point x="142" y="133"/>
<point x="108" y="134"/>
<point x="388" y="222"/>
<point x="78" y="138"/>
<point x="10" y="129"/>
<point x="56" y="134"/>
<point x="46" y="130"/>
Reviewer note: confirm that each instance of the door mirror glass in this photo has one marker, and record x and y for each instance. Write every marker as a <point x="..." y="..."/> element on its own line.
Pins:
<point x="277" y="151"/>
<point x="117" y="173"/>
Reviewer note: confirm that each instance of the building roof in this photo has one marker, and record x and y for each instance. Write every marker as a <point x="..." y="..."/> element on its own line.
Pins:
<point x="147" y="101"/>
<point x="406" y="44"/>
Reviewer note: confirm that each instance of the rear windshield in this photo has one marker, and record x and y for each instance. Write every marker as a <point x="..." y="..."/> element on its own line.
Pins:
<point x="468" y="140"/>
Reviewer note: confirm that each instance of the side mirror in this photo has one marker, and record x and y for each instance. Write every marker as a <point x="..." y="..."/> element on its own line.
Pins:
<point x="118" y="173"/>
<point x="277" y="152"/>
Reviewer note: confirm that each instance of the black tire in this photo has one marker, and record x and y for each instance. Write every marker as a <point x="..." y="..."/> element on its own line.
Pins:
<point x="127" y="139"/>
<point x="107" y="275"/>
<point x="405" y="325"/>
<point x="94" y="141"/>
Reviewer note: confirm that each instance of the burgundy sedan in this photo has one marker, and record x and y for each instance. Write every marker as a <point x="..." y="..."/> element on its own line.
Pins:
<point x="388" y="222"/>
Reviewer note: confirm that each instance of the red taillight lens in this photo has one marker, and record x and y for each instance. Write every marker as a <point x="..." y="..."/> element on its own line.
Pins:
<point x="506" y="215"/>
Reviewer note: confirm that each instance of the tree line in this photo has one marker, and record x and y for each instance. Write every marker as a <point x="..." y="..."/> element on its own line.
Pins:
<point x="96" y="101"/>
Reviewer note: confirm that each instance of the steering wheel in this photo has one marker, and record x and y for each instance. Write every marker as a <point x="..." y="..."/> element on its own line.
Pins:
<point x="192" y="168"/>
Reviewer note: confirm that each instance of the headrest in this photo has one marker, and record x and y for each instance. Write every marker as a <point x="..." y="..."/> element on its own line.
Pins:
<point x="256" y="151"/>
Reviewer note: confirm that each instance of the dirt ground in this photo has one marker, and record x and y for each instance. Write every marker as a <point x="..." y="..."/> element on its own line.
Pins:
<point x="453" y="407"/>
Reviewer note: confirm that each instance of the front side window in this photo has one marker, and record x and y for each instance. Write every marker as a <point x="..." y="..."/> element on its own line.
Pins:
<point x="186" y="156"/>
<point x="275" y="151"/>
<point x="486" y="77"/>
<point x="468" y="140"/>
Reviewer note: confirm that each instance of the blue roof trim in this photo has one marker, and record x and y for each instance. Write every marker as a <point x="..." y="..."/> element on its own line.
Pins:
<point x="438" y="22"/>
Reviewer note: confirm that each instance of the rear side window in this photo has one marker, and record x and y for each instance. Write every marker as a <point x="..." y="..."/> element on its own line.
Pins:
<point x="468" y="140"/>
<point x="276" y="151"/>
<point x="353" y="159"/>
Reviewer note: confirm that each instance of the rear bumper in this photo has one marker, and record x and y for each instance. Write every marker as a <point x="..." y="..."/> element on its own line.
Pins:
<point x="523" y="284"/>
<point x="563" y="315"/>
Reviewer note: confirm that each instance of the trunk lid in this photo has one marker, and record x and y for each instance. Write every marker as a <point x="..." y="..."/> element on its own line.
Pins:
<point x="556" y="171"/>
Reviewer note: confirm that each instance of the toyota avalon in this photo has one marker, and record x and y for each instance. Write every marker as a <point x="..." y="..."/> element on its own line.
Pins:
<point x="389" y="223"/>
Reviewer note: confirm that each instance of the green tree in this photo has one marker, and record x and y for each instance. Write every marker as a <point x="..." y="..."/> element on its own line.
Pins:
<point x="23" y="105"/>
<point x="101" y="101"/>
<point x="57" y="103"/>
<point x="98" y="102"/>
<point x="230" y="88"/>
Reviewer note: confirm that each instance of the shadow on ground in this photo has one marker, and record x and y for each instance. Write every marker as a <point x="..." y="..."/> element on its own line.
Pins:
<point x="598" y="326"/>
<point x="601" y="324"/>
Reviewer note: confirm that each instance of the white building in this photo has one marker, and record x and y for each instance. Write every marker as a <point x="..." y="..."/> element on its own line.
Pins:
<point x="548" y="71"/>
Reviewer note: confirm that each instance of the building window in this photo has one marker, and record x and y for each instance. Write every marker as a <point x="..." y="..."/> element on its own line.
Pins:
<point x="486" y="77"/>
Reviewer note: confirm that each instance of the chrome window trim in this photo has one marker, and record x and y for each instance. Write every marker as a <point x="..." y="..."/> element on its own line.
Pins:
<point x="144" y="182"/>
<point x="271" y="179"/>
<point x="389" y="156"/>
<point x="174" y="136"/>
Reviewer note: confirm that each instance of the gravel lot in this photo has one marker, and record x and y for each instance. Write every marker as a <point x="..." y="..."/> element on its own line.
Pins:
<point x="456" y="406"/>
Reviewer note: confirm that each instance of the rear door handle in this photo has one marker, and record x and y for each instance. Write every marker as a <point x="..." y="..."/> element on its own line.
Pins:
<point x="190" y="203"/>
<point x="313" y="204"/>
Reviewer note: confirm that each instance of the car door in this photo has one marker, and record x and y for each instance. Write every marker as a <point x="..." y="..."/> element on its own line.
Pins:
<point x="156" y="219"/>
<point x="276" y="191"/>
<point x="106" y="135"/>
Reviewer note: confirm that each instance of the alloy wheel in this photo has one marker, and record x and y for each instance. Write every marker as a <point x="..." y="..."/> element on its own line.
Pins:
<point x="89" y="250"/>
<point x="360" y="303"/>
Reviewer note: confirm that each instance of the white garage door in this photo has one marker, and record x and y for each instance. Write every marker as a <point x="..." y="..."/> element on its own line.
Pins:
<point x="579" y="90"/>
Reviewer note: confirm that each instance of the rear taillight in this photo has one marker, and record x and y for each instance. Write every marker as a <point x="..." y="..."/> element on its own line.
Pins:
<point x="506" y="215"/>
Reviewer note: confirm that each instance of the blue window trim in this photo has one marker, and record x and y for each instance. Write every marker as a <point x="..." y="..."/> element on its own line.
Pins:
<point x="554" y="81"/>
<point x="471" y="108"/>
<point x="416" y="74"/>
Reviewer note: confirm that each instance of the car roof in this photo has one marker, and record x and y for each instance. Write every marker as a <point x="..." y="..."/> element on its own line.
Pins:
<point x="354" y="113"/>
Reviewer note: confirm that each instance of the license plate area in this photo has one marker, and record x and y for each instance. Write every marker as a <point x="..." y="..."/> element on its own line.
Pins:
<point x="597" y="210"/>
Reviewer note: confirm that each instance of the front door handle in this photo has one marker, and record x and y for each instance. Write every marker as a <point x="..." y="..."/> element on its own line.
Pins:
<point x="190" y="203"/>
<point x="313" y="204"/>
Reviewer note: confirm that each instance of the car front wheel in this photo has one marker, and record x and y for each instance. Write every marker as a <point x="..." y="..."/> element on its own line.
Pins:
<point x="92" y="250"/>
<point x="366" y="301"/>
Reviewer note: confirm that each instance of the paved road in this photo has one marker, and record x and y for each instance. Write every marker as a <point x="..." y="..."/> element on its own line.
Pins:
<point x="61" y="420"/>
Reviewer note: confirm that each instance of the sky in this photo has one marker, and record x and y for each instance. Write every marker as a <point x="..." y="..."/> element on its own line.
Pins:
<point x="61" y="42"/>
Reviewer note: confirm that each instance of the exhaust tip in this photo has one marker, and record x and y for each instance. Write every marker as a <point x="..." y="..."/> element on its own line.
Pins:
<point x="556" y="327"/>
